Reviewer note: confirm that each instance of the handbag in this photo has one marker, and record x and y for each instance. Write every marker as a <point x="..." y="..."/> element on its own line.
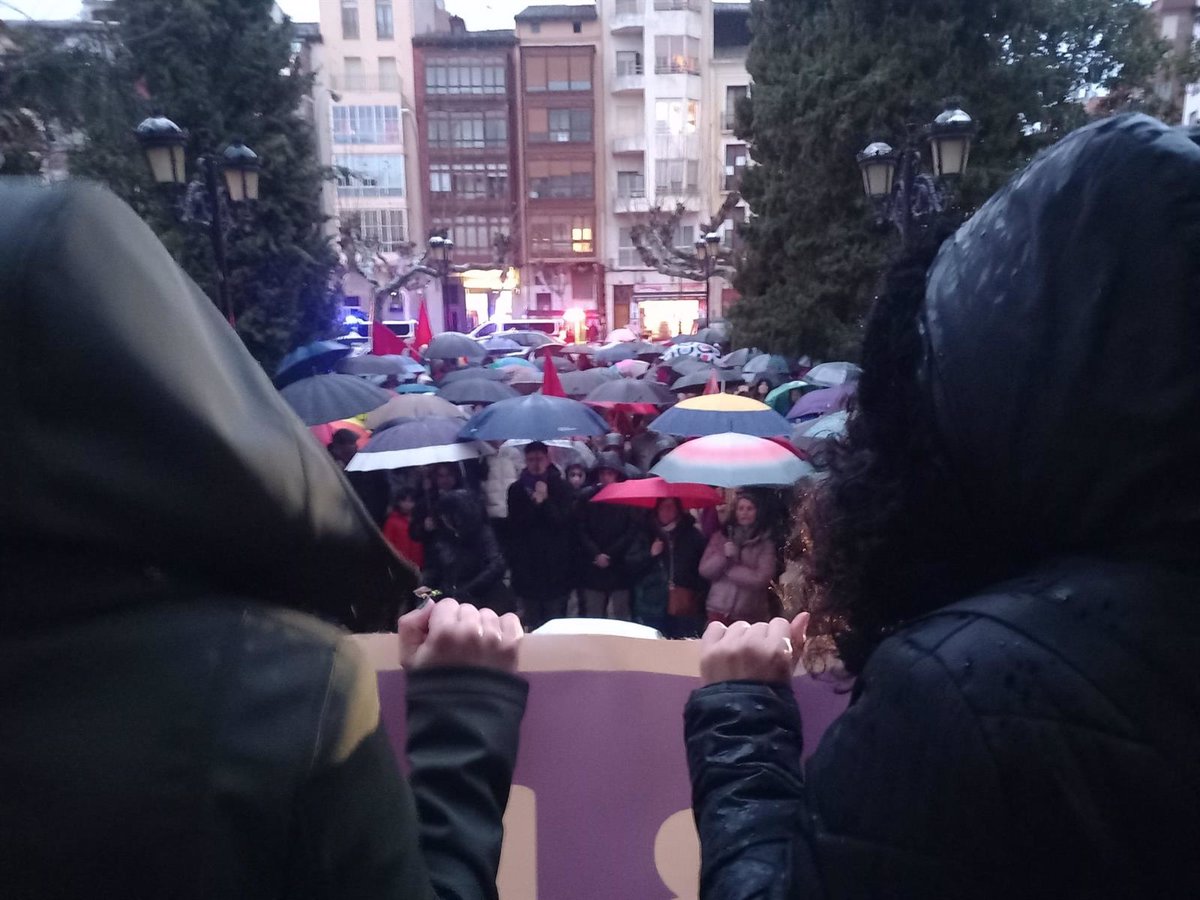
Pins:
<point x="682" y="601"/>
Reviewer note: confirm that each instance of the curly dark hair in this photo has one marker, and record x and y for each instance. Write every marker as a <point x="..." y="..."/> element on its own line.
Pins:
<point x="883" y="538"/>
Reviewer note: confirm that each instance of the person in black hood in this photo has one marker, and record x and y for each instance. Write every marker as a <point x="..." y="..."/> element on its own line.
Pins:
<point x="1007" y="554"/>
<point x="463" y="558"/>
<point x="606" y="531"/>
<point x="172" y="723"/>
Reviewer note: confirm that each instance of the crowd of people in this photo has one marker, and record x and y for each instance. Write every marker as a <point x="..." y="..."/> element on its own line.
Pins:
<point x="518" y="532"/>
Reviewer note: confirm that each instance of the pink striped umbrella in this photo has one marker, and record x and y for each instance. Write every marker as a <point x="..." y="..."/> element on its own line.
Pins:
<point x="732" y="460"/>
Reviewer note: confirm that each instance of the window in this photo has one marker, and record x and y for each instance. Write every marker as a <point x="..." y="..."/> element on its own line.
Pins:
<point x="467" y="130"/>
<point x="627" y="255"/>
<point x="561" y="236"/>
<point x="385" y="29"/>
<point x="677" y="176"/>
<point x="685" y="238"/>
<point x="439" y="179"/>
<point x="676" y="54"/>
<point x="385" y="227"/>
<point x="470" y="181"/>
<point x="735" y="165"/>
<point x="389" y="75"/>
<point x="559" y="125"/>
<point x="356" y="75"/>
<point x="465" y="76"/>
<point x="732" y="236"/>
<point x="560" y="179"/>
<point x="629" y="62"/>
<point x="583" y="283"/>
<point x="628" y="7"/>
<point x="572" y="72"/>
<point x="369" y="175"/>
<point x="366" y="125"/>
<point x="577" y="27"/>
<point x="733" y="95"/>
<point x="631" y="184"/>
<point x="350" y="19"/>
<point x="473" y="235"/>
<point x="676" y="117"/>
<point x="535" y="27"/>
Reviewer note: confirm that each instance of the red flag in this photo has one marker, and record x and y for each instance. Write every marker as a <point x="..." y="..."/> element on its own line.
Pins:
<point x="713" y="386"/>
<point x="424" y="334"/>
<point x="551" y="383"/>
<point x="384" y="341"/>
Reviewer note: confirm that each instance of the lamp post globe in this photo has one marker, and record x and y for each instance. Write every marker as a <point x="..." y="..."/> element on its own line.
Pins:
<point x="163" y="143"/>
<point x="878" y="164"/>
<point x="240" y="166"/>
<point x="950" y="137"/>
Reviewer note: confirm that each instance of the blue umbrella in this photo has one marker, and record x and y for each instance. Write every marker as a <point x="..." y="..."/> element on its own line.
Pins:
<point x="512" y="361"/>
<point x="311" y="359"/>
<point x="536" y="418"/>
<point x="499" y="344"/>
<point x="326" y="398"/>
<point x="416" y="389"/>
<point x="369" y="364"/>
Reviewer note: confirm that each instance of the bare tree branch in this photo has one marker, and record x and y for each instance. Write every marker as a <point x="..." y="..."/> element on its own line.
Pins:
<point x="655" y="242"/>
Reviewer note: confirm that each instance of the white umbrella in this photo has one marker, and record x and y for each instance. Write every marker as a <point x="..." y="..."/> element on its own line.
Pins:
<point x="414" y="442"/>
<point x="732" y="460"/>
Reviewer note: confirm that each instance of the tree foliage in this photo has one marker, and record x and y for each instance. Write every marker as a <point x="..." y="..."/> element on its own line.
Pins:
<point x="832" y="75"/>
<point x="222" y="70"/>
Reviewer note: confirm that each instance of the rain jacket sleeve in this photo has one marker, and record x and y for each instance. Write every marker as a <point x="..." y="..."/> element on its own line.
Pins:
<point x="363" y="831"/>
<point x="714" y="562"/>
<point x="901" y="799"/>
<point x="492" y="571"/>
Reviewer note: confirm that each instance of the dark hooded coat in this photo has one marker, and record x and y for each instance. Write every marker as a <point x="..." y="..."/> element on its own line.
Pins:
<point x="1042" y="737"/>
<point x="463" y="558"/>
<point x="168" y="728"/>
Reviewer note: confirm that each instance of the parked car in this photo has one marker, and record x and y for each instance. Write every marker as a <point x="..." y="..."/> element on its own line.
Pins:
<point x="545" y="326"/>
<point x="531" y="339"/>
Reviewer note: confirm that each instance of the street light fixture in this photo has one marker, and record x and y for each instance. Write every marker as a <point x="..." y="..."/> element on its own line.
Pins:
<point x="164" y="142"/>
<point x="893" y="181"/>
<point x="442" y="248"/>
<point x="707" y="248"/>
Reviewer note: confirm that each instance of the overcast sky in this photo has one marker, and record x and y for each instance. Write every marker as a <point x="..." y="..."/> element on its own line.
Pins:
<point x="479" y="14"/>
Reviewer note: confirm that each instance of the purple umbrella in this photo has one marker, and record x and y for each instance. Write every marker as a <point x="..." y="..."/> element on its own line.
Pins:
<point x="827" y="400"/>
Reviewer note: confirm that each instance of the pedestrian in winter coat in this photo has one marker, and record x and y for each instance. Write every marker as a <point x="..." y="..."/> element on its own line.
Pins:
<point x="398" y="528"/>
<point x="740" y="563"/>
<point x="175" y="721"/>
<point x="444" y="477"/>
<point x="668" y="591"/>
<point x="1012" y="576"/>
<point x="463" y="559"/>
<point x="606" y="531"/>
<point x="539" y="512"/>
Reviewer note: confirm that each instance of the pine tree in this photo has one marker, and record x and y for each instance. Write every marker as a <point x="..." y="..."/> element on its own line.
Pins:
<point x="830" y="76"/>
<point x="222" y="70"/>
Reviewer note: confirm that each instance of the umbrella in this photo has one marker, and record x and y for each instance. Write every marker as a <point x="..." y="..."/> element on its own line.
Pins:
<point x="474" y="373"/>
<point x="380" y="365"/>
<point x="832" y="374"/>
<point x="477" y="391"/>
<point x="702" y="352"/>
<point x="536" y="417"/>
<point x="700" y="379"/>
<point x="413" y="442"/>
<point x="732" y="460"/>
<point x="498" y="344"/>
<point x="632" y="368"/>
<point x="823" y="401"/>
<point x="720" y="413"/>
<point x="807" y="435"/>
<point x="324" y="433"/>
<point x="416" y="389"/>
<point x="778" y="398"/>
<point x="325" y="398"/>
<point x="766" y="364"/>
<point x="413" y="406"/>
<point x="512" y="361"/>
<point x="627" y="390"/>
<point x="621" y="334"/>
<point x="646" y="492"/>
<point x="563" y="452"/>
<point x="713" y="334"/>
<point x="560" y="364"/>
<point x="529" y="339"/>
<point x="311" y="359"/>
<point x="614" y="353"/>
<point x="454" y="345"/>
<point x="579" y="384"/>
<point x="688" y="365"/>
<point x="738" y="357"/>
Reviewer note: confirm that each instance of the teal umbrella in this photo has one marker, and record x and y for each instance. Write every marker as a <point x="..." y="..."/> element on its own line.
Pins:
<point x="512" y="361"/>
<point x="780" y="398"/>
<point x="416" y="389"/>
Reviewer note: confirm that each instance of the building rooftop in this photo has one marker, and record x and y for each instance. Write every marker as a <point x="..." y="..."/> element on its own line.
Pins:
<point x="500" y="37"/>
<point x="558" y="12"/>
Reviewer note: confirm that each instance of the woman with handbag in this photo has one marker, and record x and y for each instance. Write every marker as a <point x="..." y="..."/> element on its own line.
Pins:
<point x="741" y="562"/>
<point x="669" y="593"/>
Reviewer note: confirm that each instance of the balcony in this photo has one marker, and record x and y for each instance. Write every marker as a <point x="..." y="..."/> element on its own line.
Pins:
<point x="629" y="143"/>
<point x="692" y="5"/>
<point x="629" y="79"/>
<point x="633" y="202"/>
<point x="628" y="17"/>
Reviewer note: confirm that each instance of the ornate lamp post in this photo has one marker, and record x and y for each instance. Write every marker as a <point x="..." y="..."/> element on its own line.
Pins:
<point x="441" y="249"/>
<point x="163" y="142"/>
<point x="901" y="192"/>
<point x="707" y="248"/>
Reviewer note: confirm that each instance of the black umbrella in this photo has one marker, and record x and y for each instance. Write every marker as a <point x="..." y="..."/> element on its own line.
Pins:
<point x="688" y="365"/>
<point x="561" y="364"/>
<point x="627" y="350"/>
<point x="403" y="443"/>
<point x="477" y="391"/>
<point x="368" y="364"/>
<point x="579" y="384"/>
<point x="500" y="344"/>
<point x="311" y="359"/>
<point x="700" y="379"/>
<point x="738" y="357"/>
<point x="453" y="345"/>
<point x="629" y="390"/>
<point x="714" y="334"/>
<point x="536" y="417"/>
<point x="474" y="373"/>
<point x="326" y="398"/>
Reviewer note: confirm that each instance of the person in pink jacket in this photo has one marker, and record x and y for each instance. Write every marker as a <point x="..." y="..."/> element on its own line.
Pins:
<point x="740" y="562"/>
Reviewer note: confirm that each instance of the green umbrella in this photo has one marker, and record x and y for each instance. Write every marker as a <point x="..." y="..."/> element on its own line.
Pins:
<point x="779" y="399"/>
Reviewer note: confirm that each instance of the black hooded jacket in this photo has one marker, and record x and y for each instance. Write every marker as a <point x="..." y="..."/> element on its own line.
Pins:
<point x="1041" y="738"/>
<point x="463" y="558"/>
<point x="168" y="728"/>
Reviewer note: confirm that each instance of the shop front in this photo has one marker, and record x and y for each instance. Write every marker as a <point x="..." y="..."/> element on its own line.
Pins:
<point x="665" y="310"/>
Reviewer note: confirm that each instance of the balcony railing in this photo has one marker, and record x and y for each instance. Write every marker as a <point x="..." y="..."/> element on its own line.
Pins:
<point x="693" y="5"/>
<point x="626" y="68"/>
<point x="629" y="78"/>
<point x="630" y="143"/>
<point x="676" y="65"/>
<point x="628" y="7"/>
<point x="631" y="202"/>
<point x="628" y="17"/>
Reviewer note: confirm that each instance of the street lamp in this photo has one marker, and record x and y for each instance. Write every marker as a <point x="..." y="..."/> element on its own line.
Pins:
<point x="893" y="181"/>
<point x="163" y="143"/>
<point x="707" y="248"/>
<point x="441" y="249"/>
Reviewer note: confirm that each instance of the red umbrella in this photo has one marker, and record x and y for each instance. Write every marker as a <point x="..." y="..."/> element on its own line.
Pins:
<point x="646" y="492"/>
<point x="424" y="334"/>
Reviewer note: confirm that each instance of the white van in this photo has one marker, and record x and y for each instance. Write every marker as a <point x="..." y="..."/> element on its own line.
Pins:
<point x="545" y="326"/>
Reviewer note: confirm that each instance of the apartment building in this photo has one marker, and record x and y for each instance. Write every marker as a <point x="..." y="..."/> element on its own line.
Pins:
<point x="1179" y="27"/>
<point x="465" y="102"/>
<point x="562" y="172"/>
